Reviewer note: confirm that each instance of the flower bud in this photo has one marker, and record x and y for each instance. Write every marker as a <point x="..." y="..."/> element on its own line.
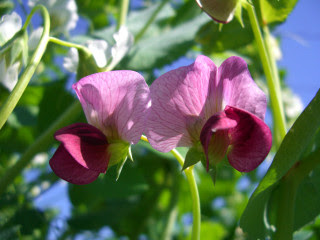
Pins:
<point x="221" y="11"/>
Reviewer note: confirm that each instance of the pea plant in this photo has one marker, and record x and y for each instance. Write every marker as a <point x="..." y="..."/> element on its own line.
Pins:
<point x="146" y="120"/>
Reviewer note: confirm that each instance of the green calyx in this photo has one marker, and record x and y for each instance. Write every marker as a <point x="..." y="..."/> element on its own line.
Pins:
<point x="194" y="155"/>
<point x="87" y="65"/>
<point x="119" y="152"/>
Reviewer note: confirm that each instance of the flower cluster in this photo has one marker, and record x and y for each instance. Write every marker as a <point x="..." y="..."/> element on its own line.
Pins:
<point x="217" y="111"/>
<point x="102" y="52"/>
<point x="14" y="45"/>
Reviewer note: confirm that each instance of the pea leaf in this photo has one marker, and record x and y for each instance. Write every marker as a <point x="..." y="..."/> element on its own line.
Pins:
<point x="165" y="47"/>
<point x="214" y="39"/>
<point x="290" y="152"/>
<point x="275" y="11"/>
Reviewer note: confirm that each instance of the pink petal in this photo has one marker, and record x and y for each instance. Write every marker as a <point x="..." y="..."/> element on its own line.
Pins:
<point x="251" y="140"/>
<point x="65" y="167"/>
<point x="215" y="148"/>
<point x="178" y="109"/>
<point x="115" y="102"/>
<point x="86" y="144"/>
<point x="238" y="89"/>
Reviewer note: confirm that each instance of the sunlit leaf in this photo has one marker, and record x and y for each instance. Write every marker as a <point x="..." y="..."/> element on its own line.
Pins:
<point x="290" y="152"/>
<point x="275" y="11"/>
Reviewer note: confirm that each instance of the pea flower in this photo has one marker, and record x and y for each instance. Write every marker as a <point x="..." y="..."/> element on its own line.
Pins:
<point x="9" y="25"/>
<point x="12" y="55"/>
<point x="221" y="11"/>
<point x="102" y="52"/>
<point x="214" y="111"/>
<point x="114" y="104"/>
<point x="63" y="14"/>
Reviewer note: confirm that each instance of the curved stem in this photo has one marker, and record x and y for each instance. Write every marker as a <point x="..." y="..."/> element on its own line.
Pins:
<point x="21" y="85"/>
<point x="69" y="44"/>
<point x="273" y="86"/>
<point x="41" y="144"/>
<point x="196" y="210"/>
<point x="195" y="203"/>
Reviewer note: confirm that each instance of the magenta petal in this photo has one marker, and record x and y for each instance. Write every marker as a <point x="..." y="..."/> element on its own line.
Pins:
<point x="178" y="99"/>
<point x="115" y="102"/>
<point x="216" y="148"/>
<point x="238" y="89"/>
<point x="65" y="167"/>
<point x="251" y="140"/>
<point x="86" y="144"/>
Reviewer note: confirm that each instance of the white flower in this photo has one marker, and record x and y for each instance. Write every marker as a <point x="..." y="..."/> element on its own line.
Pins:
<point x="9" y="74"/>
<point x="35" y="38"/>
<point x="293" y="105"/>
<point x="63" y="14"/>
<point x="9" y="25"/>
<point x="124" y="41"/>
<point x="100" y="52"/>
<point x="71" y="61"/>
<point x="276" y="51"/>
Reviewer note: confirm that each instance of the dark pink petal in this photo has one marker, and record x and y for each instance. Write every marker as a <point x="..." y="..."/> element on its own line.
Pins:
<point x="182" y="100"/>
<point x="215" y="148"/>
<point x="115" y="102"/>
<point x="86" y="144"/>
<point x="238" y="89"/>
<point x="250" y="140"/>
<point x="65" y="167"/>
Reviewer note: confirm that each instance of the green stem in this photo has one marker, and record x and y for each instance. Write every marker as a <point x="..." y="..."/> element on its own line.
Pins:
<point x="273" y="85"/>
<point x="195" y="203"/>
<point x="41" y="144"/>
<point x="196" y="210"/>
<point x="21" y="85"/>
<point x="275" y="75"/>
<point x="150" y="21"/>
<point x="171" y="213"/>
<point x="123" y="12"/>
<point x="69" y="44"/>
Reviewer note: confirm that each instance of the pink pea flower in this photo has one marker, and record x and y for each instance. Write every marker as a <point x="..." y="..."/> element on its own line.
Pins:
<point x="114" y="104"/>
<point x="215" y="111"/>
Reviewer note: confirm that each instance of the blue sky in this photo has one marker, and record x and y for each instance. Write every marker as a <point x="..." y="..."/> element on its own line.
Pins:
<point x="300" y="47"/>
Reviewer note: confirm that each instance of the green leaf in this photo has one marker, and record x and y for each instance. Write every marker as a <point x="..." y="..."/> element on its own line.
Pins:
<point x="97" y="11"/>
<point x="308" y="194"/>
<point x="130" y="184"/>
<point x="54" y="102"/>
<point x="275" y="11"/>
<point x="137" y="20"/>
<point x="290" y="152"/>
<point x="213" y="40"/>
<point x="212" y="230"/>
<point x="5" y="7"/>
<point x="165" y="47"/>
